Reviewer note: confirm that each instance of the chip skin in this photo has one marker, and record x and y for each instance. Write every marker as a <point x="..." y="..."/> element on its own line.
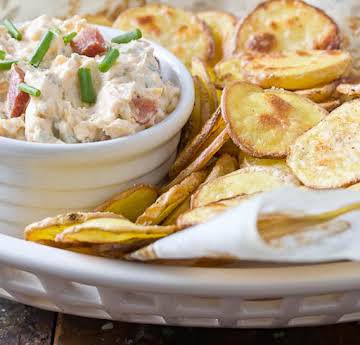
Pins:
<point x="328" y="155"/>
<point x="264" y="123"/>
<point x="242" y="182"/>
<point x="130" y="203"/>
<point x="279" y="25"/>
<point x="170" y="200"/>
<point x="295" y="70"/>
<point x="320" y="94"/>
<point x="179" y="31"/>
<point x="222" y="25"/>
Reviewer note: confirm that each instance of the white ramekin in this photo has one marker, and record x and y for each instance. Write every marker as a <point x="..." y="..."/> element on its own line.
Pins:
<point x="39" y="180"/>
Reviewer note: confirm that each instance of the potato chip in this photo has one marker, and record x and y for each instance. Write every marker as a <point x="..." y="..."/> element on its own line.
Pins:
<point x="45" y="231"/>
<point x="242" y="182"/>
<point x="124" y="235"/>
<point x="201" y="161"/>
<point x="222" y="25"/>
<point x="331" y="105"/>
<point x="321" y="93"/>
<point x="349" y="89"/>
<point x="328" y="155"/>
<point x="229" y="148"/>
<point x="179" y="31"/>
<point x="98" y="19"/>
<point x="182" y="208"/>
<point x="223" y="166"/>
<point x="283" y="25"/>
<point x="170" y="200"/>
<point x="229" y="70"/>
<point x="265" y="123"/>
<point x="210" y="130"/>
<point x="296" y="70"/>
<point x="130" y="203"/>
<point x="355" y="187"/>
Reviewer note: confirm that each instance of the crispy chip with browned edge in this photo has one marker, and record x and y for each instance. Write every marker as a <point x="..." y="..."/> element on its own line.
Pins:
<point x="249" y="161"/>
<point x="201" y="161"/>
<point x="210" y="130"/>
<point x="223" y="166"/>
<point x="349" y="89"/>
<point x="179" y="31"/>
<point x="331" y="105"/>
<point x="229" y="70"/>
<point x="130" y="203"/>
<point x="46" y="230"/>
<point x="264" y="123"/>
<point x="170" y="200"/>
<point x="182" y="208"/>
<point x="320" y="94"/>
<point x="98" y="19"/>
<point x="328" y="155"/>
<point x="222" y="25"/>
<point x="283" y="25"/>
<point x="296" y="70"/>
<point x="119" y="232"/>
<point x="242" y="182"/>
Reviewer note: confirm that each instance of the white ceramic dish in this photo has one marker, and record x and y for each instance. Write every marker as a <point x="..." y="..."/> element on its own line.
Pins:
<point x="39" y="180"/>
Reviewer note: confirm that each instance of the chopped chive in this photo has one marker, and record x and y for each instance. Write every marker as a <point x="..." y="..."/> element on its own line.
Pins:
<point x="86" y="86"/>
<point x="29" y="89"/>
<point x="6" y="65"/>
<point x="12" y="30"/>
<point x="109" y="60"/>
<point x="56" y="30"/>
<point x="127" y="37"/>
<point x="42" y="49"/>
<point x="2" y="54"/>
<point x="68" y="38"/>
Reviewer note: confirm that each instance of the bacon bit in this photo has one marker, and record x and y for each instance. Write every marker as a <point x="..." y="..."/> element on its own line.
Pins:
<point x="145" y="109"/>
<point x="89" y="42"/>
<point x="17" y="100"/>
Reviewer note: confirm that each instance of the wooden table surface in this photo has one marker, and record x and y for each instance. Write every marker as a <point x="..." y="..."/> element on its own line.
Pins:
<point x="21" y="325"/>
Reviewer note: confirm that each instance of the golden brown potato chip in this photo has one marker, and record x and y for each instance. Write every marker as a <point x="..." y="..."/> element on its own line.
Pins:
<point x="223" y="166"/>
<point x="45" y="231"/>
<point x="182" y="208"/>
<point x="320" y="94"/>
<point x="229" y="148"/>
<point x="331" y="105"/>
<point x="179" y="31"/>
<point x="242" y="182"/>
<point x="130" y="203"/>
<point x="229" y="70"/>
<point x="295" y="70"/>
<point x="349" y="89"/>
<point x="327" y="156"/>
<point x="202" y="140"/>
<point x="264" y="123"/>
<point x="222" y="25"/>
<point x="355" y="187"/>
<point x="170" y="200"/>
<point x="202" y="160"/>
<point x="283" y="25"/>
<point x="122" y="234"/>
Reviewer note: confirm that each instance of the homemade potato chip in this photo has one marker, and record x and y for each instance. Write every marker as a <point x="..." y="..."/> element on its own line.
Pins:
<point x="182" y="208"/>
<point x="222" y="25"/>
<point x="181" y="32"/>
<point x="355" y="187"/>
<point x="319" y="94"/>
<point x="210" y="130"/>
<point x="126" y="235"/>
<point x="223" y="166"/>
<point x="349" y="89"/>
<point x="242" y="182"/>
<point x="98" y="19"/>
<point x="328" y="155"/>
<point x="296" y="70"/>
<point x="170" y="200"/>
<point x="265" y="123"/>
<point x="47" y="229"/>
<point x="283" y="25"/>
<point x="229" y="148"/>
<point x="229" y="70"/>
<point x="130" y="203"/>
<point x="201" y="161"/>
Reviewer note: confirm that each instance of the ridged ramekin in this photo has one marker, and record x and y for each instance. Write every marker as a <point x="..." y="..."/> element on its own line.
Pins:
<point x="39" y="180"/>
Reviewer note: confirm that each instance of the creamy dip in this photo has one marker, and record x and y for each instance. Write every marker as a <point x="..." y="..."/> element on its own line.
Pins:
<point x="130" y="97"/>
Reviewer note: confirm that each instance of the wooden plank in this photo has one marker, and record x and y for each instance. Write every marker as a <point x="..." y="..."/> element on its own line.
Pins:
<point x="21" y="325"/>
<point x="73" y="330"/>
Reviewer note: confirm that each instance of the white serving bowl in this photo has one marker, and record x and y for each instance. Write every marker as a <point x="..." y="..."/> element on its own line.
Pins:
<point x="40" y="180"/>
